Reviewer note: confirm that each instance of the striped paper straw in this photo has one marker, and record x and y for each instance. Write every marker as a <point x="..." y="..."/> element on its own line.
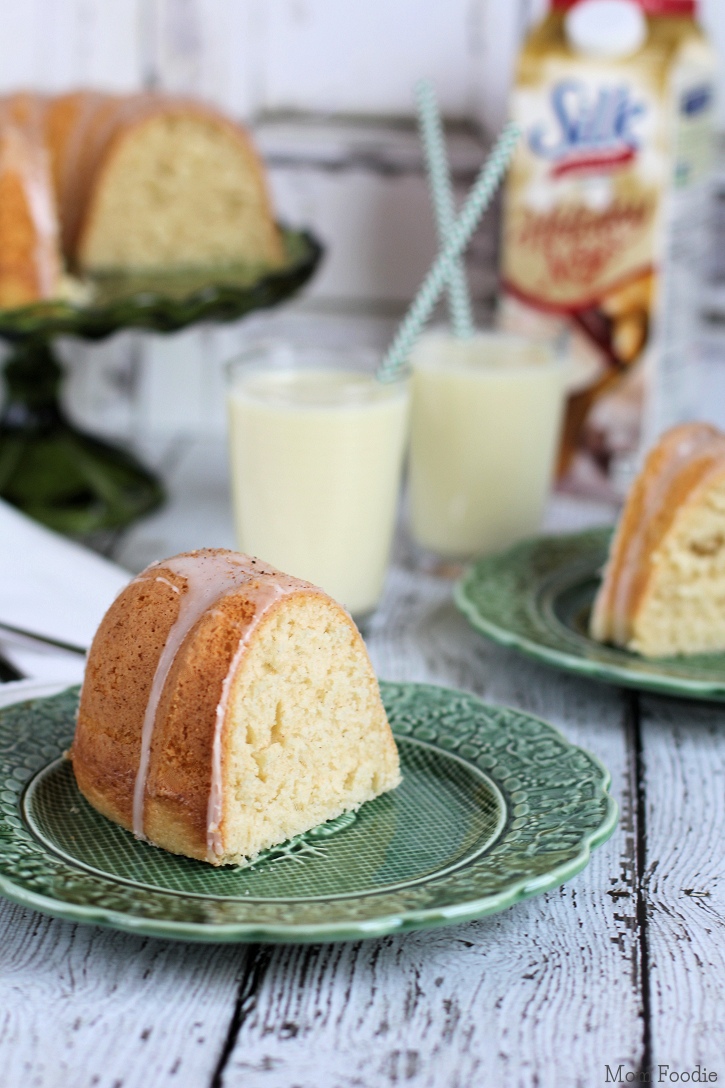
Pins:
<point x="439" y="180"/>
<point x="478" y="200"/>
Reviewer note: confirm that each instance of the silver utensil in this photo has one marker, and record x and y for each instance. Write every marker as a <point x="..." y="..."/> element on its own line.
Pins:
<point x="21" y="634"/>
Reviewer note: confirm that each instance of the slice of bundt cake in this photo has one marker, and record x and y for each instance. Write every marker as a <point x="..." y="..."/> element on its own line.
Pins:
<point x="227" y="707"/>
<point x="663" y="590"/>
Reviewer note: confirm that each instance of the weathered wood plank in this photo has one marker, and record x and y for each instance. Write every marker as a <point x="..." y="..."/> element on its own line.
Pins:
<point x="199" y="46"/>
<point x="481" y="1002"/>
<point x="322" y="56"/>
<point x="546" y="993"/>
<point x="86" y="1007"/>
<point x="683" y="758"/>
<point x="248" y="56"/>
<point x="19" y="44"/>
<point x="51" y="45"/>
<point x="547" y="990"/>
<point x="108" y="47"/>
<point x="82" y="1006"/>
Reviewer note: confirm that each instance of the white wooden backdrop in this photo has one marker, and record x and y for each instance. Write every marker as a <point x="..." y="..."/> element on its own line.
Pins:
<point x="327" y="85"/>
<point x="257" y="56"/>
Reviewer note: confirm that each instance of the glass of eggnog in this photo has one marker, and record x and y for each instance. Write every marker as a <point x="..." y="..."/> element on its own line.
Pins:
<point x="486" y="415"/>
<point x="316" y="447"/>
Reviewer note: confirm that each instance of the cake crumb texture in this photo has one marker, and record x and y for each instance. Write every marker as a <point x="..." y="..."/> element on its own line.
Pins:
<point x="683" y="607"/>
<point x="307" y="736"/>
<point x="178" y="189"/>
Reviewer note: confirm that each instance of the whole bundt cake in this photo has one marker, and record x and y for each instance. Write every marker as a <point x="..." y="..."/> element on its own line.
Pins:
<point x="227" y="707"/>
<point x="663" y="590"/>
<point x="101" y="182"/>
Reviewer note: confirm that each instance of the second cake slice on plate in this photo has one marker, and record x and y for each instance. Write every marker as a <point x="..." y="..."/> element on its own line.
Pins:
<point x="663" y="591"/>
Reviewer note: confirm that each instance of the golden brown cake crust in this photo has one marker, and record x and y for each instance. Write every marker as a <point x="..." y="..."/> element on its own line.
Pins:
<point x="675" y="468"/>
<point x="29" y="257"/>
<point x="122" y="662"/>
<point x="75" y="137"/>
<point x="59" y="121"/>
<point x="179" y="778"/>
<point x="119" y="673"/>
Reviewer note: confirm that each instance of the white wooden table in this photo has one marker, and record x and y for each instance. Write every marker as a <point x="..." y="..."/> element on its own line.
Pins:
<point x="624" y="967"/>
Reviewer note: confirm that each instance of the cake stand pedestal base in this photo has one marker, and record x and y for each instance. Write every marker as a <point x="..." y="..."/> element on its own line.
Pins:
<point x="51" y="470"/>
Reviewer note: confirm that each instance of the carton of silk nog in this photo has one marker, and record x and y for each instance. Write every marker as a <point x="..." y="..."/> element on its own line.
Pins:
<point x="605" y="221"/>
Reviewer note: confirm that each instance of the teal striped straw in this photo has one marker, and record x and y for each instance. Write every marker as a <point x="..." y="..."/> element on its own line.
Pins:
<point x="439" y="180"/>
<point x="460" y="235"/>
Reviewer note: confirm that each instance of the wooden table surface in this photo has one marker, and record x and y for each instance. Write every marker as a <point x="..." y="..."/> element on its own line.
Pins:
<point x="620" y="970"/>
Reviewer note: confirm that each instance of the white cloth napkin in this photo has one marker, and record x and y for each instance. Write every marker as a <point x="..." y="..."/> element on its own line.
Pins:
<point x="54" y="587"/>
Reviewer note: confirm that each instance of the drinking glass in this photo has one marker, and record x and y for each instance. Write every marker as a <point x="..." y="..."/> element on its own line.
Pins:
<point x="316" y="446"/>
<point x="486" y="415"/>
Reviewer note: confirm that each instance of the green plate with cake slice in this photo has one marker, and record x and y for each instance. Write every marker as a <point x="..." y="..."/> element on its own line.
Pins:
<point x="537" y="598"/>
<point x="495" y="806"/>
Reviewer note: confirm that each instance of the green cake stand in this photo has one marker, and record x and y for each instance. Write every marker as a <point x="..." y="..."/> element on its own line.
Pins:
<point x="68" y="479"/>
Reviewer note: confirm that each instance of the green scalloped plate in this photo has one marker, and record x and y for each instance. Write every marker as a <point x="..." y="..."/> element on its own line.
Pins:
<point x="537" y="598"/>
<point x="166" y="301"/>
<point x="495" y="806"/>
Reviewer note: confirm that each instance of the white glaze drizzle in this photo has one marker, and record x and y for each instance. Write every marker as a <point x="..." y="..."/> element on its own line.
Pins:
<point x="166" y="582"/>
<point x="21" y="155"/>
<point x="215" y="811"/>
<point x="46" y="223"/>
<point x="210" y="575"/>
<point x="689" y="446"/>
